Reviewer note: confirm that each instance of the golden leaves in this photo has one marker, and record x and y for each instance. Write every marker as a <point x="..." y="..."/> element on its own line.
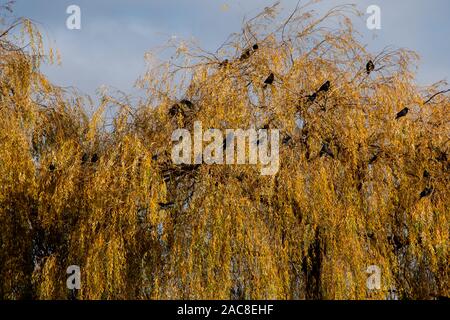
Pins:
<point x="83" y="189"/>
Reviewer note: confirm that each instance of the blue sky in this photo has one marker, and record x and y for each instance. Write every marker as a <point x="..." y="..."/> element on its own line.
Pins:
<point x="110" y="47"/>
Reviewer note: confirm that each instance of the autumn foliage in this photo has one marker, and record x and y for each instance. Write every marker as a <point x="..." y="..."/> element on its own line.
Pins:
<point x="356" y="186"/>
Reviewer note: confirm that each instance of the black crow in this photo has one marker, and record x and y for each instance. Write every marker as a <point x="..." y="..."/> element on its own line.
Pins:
<point x="189" y="167"/>
<point x="84" y="158"/>
<point x="94" y="158"/>
<point x="402" y="113"/>
<point x="52" y="167"/>
<point x="224" y="63"/>
<point x="397" y="241"/>
<point x="269" y="80"/>
<point x="426" y="192"/>
<point x="245" y="55"/>
<point x="373" y="159"/>
<point x="177" y="108"/>
<point x="442" y="156"/>
<point x="154" y="157"/>
<point x="287" y="139"/>
<point x="187" y="103"/>
<point x="426" y="174"/>
<point x="307" y="154"/>
<point x="174" y="110"/>
<point x="326" y="150"/>
<point x="237" y="293"/>
<point x="168" y="205"/>
<point x="166" y="177"/>
<point x="325" y="87"/>
<point x="370" y="67"/>
<point x="312" y="97"/>
<point x="370" y="235"/>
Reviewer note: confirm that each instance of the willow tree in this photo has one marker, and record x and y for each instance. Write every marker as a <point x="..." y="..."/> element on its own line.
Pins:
<point x="359" y="184"/>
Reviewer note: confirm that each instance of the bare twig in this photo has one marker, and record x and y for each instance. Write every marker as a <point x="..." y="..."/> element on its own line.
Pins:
<point x="435" y="95"/>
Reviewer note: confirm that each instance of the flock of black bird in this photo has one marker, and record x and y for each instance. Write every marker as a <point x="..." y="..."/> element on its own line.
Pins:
<point x="248" y="52"/>
<point x="185" y="105"/>
<point x="326" y="150"/>
<point x="84" y="160"/>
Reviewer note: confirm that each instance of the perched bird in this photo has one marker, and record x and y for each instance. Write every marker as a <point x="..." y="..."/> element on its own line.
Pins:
<point x="167" y="205"/>
<point x="237" y="293"/>
<point x="370" y="67"/>
<point x="426" y="192"/>
<point x="373" y="159"/>
<point x="224" y="63"/>
<point x="402" y="113"/>
<point x="426" y="174"/>
<point x="94" y="158"/>
<point x="52" y="167"/>
<point x="287" y="139"/>
<point x="370" y="235"/>
<point x="442" y="156"/>
<point x="397" y="241"/>
<point x="187" y="103"/>
<point x="186" y="168"/>
<point x="84" y="158"/>
<point x="174" y="110"/>
<point x="178" y="107"/>
<point x="312" y="98"/>
<point x="255" y="47"/>
<point x="307" y="154"/>
<point x="166" y="177"/>
<point x="269" y="80"/>
<point x="154" y="157"/>
<point x="326" y="150"/>
<point x="325" y="87"/>
<point x="245" y="55"/>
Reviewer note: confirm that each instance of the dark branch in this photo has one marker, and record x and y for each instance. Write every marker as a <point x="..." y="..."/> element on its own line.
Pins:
<point x="435" y="95"/>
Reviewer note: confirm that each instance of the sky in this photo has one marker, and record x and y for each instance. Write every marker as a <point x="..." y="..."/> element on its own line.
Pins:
<point x="115" y="34"/>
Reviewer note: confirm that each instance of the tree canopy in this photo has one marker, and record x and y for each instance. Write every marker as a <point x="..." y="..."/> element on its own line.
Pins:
<point x="358" y="184"/>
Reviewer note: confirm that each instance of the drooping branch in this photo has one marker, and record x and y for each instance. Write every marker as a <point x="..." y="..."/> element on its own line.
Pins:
<point x="435" y="95"/>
